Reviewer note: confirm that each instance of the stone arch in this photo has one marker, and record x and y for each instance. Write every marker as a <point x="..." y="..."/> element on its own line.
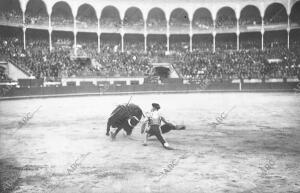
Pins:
<point x="179" y="20"/>
<point x="62" y="14"/>
<point x="133" y="16"/>
<point x="110" y="17"/>
<point x="275" y="13"/>
<point x="36" y="12"/>
<point x="250" y="15"/>
<point x="226" y="17"/>
<point x="156" y="18"/>
<point x="202" y="18"/>
<point x="86" y="16"/>
<point x="295" y="13"/>
<point x="11" y="8"/>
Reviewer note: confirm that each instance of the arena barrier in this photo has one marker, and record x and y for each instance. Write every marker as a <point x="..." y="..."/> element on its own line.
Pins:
<point x="30" y="83"/>
<point x="92" y="90"/>
<point x="269" y="86"/>
<point x="95" y="80"/>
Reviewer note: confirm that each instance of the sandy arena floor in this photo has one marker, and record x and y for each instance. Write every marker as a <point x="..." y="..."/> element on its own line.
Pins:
<point x="63" y="147"/>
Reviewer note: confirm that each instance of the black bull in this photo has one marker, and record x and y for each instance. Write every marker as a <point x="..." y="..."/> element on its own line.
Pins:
<point x="128" y="116"/>
<point x="124" y="117"/>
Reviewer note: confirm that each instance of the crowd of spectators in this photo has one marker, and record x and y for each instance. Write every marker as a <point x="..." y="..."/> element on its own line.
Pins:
<point x="13" y="16"/>
<point x="86" y="22"/>
<point x="179" y="25"/>
<point x="137" y="23"/>
<point x="203" y="45"/>
<point x="250" y="43"/>
<point x="227" y="63"/>
<point x="179" y="47"/>
<point x="223" y="65"/>
<point x="204" y="23"/>
<point x="226" y="21"/>
<point x="110" y="23"/>
<point x="39" y="61"/>
<point x="250" y="62"/>
<point x="156" y="48"/>
<point x="277" y="18"/>
<point x="38" y="19"/>
<point x="250" y="20"/>
<point x="157" y="24"/>
<point x="246" y="64"/>
<point x="61" y="21"/>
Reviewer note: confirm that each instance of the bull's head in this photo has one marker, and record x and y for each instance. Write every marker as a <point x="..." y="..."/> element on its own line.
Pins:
<point x="133" y="121"/>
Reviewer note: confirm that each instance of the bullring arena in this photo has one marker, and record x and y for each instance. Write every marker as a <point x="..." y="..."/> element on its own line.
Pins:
<point x="228" y="71"/>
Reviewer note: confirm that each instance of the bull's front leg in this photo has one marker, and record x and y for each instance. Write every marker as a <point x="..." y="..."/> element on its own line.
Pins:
<point x="114" y="134"/>
<point x="108" y="127"/>
<point x="128" y="129"/>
